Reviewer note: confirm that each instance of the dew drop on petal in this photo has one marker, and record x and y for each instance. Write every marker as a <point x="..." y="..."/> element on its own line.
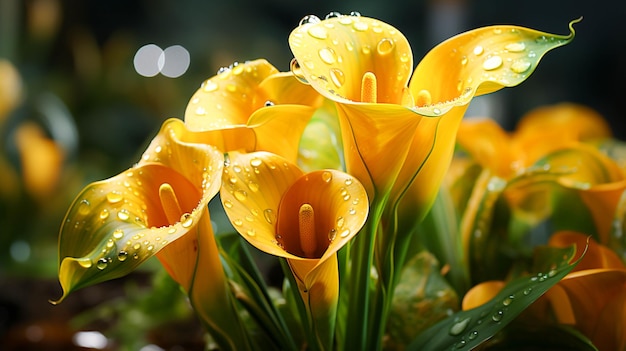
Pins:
<point x="228" y="204"/>
<point x="238" y="222"/>
<point x="251" y="232"/>
<point x="492" y="63"/>
<point x="255" y="162"/>
<point x="337" y="77"/>
<point x="123" y="214"/>
<point x="515" y="47"/>
<point x="318" y="32"/>
<point x="118" y="234"/>
<point x="269" y="216"/>
<point x="241" y="195"/>
<point x="360" y="26"/>
<point x="520" y="66"/>
<point x="309" y="19"/>
<point x="104" y="214"/>
<point x="122" y="256"/>
<point x="186" y="220"/>
<point x="478" y="50"/>
<point x="344" y="233"/>
<point x="332" y="234"/>
<point x="327" y="176"/>
<point x="385" y="46"/>
<point x="327" y="55"/>
<point x="102" y="263"/>
<point x="114" y="197"/>
<point x="497" y="316"/>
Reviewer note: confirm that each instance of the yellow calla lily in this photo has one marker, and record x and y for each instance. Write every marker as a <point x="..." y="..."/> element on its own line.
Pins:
<point x="303" y="217"/>
<point x="250" y="104"/>
<point x="158" y="207"/>
<point x="396" y="135"/>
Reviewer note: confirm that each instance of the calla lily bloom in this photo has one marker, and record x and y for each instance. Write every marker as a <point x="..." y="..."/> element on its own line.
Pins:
<point x="158" y="207"/>
<point x="397" y="131"/>
<point x="591" y="298"/>
<point x="250" y="104"/>
<point x="303" y="217"/>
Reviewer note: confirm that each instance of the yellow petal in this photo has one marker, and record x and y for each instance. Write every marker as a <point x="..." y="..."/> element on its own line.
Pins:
<point x="227" y="99"/>
<point x="488" y="144"/>
<point x="377" y="139"/>
<point x="595" y="255"/>
<point x="340" y="204"/>
<point x="569" y="120"/>
<point x="252" y="187"/>
<point x="589" y="292"/>
<point x="285" y="89"/>
<point x="481" y="294"/>
<point x="334" y="54"/>
<point x="609" y="332"/>
<point x="116" y="224"/>
<point x="482" y="61"/>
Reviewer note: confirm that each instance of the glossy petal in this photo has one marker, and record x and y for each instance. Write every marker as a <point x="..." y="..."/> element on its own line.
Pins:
<point x="596" y="255"/>
<point x="482" y="61"/>
<point x="481" y="294"/>
<point x="334" y="54"/>
<point x="227" y="99"/>
<point x="116" y="224"/>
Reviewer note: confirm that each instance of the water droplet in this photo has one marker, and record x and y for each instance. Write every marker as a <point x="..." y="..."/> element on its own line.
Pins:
<point x="297" y="71"/>
<point x="459" y="326"/>
<point x="114" y="197"/>
<point x="318" y="32"/>
<point x="309" y="19"/>
<point x="333" y="15"/>
<point x="352" y="211"/>
<point x="436" y="111"/>
<point x="210" y="86"/>
<point x="241" y="195"/>
<point x="551" y="273"/>
<point x="238" y="222"/>
<point x="237" y="168"/>
<point x="104" y="214"/>
<point x="385" y="46"/>
<point x="118" y="234"/>
<point x="110" y="243"/>
<point x="492" y="63"/>
<point x="497" y="316"/>
<point x="327" y="55"/>
<point x="464" y="60"/>
<point x="337" y="77"/>
<point x="123" y="214"/>
<point x="527" y="291"/>
<point x="255" y="162"/>
<point x="355" y="14"/>
<point x="461" y="344"/>
<point x="200" y="111"/>
<point x="404" y="58"/>
<point x="102" y="263"/>
<point x="332" y="234"/>
<point x="360" y="26"/>
<point x="344" y="233"/>
<point x="251" y="232"/>
<point x="365" y="50"/>
<point x="472" y="335"/>
<point x="84" y="262"/>
<point x="478" y="50"/>
<point x="515" y="47"/>
<point x="122" y="256"/>
<point x="340" y="222"/>
<point x="83" y="207"/>
<point x="327" y="176"/>
<point x="507" y="300"/>
<point x="228" y="204"/>
<point x="269" y="216"/>
<point x="186" y="220"/>
<point x="268" y="103"/>
<point x="520" y="66"/>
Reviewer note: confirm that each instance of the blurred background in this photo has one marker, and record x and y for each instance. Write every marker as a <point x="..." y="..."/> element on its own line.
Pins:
<point x="81" y="95"/>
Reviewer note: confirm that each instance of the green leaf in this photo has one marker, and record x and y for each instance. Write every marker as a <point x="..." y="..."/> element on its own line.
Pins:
<point x="468" y="329"/>
<point x="538" y="336"/>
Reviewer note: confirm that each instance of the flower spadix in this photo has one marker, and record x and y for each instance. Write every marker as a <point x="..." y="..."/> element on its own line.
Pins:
<point x="116" y="224"/>
<point x="250" y="104"/>
<point x="303" y="217"/>
<point x="398" y="129"/>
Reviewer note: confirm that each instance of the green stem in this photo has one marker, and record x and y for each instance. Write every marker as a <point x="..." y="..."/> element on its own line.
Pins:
<point x="359" y="318"/>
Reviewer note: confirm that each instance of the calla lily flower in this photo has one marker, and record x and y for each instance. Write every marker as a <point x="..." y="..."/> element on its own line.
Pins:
<point x="158" y="207"/>
<point x="591" y="298"/>
<point x="303" y="217"/>
<point x="399" y="129"/>
<point x="250" y="104"/>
